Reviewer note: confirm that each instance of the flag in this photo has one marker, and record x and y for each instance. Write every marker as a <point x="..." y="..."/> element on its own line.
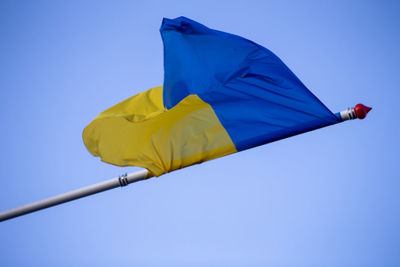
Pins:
<point x="221" y="94"/>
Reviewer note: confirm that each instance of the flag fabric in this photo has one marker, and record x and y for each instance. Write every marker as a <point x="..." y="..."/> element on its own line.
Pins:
<point x="222" y="94"/>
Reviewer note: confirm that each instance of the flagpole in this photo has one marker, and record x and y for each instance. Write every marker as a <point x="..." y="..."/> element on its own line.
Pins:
<point x="120" y="181"/>
<point x="358" y="112"/>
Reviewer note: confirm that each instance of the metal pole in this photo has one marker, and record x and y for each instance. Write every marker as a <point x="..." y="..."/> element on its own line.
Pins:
<point x="122" y="180"/>
<point x="359" y="111"/>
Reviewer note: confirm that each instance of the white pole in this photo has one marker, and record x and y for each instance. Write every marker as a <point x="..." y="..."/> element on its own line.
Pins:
<point x="359" y="111"/>
<point x="122" y="180"/>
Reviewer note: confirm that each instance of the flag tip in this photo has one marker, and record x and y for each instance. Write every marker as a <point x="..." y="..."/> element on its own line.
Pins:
<point x="361" y="111"/>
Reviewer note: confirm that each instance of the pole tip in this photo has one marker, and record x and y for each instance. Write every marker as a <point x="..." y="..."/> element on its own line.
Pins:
<point x="361" y="111"/>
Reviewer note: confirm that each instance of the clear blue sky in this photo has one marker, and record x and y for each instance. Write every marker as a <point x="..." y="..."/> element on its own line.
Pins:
<point x="325" y="198"/>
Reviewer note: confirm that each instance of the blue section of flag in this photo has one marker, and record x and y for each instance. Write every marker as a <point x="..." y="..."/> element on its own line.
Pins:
<point x="253" y="93"/>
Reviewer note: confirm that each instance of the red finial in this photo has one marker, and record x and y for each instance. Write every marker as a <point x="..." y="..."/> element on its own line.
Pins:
<point x="361" y="111"/>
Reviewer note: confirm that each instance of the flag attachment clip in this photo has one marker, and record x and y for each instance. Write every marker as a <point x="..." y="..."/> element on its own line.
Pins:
<point x="123" y="180"/>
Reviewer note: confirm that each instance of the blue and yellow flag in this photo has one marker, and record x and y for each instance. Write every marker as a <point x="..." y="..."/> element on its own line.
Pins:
<point x="222" y="93"/>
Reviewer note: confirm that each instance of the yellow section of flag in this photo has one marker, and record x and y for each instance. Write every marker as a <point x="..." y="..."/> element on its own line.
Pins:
<point x="140" y="131"/>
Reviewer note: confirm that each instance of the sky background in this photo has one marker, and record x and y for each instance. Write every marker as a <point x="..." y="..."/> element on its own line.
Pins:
<point x="324" y="198"/>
